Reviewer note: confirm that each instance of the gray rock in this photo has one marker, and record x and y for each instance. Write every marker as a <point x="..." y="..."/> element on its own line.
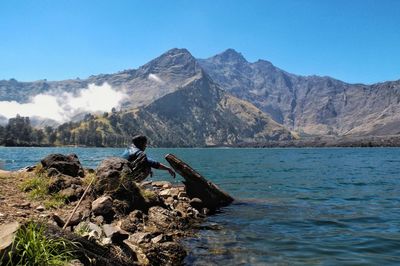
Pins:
<point x="70" y="194"/>
<point x="166" y="193"/>
<point x="40" y="208"/>
<point x="196" y="203"/>
<point x="22" y="205"/>
<point x="141" y="256"/>
<point x="60" y="182"/>
<point x="7" y="235"/>
<point x="140" y="237"/>
<point x="161" y="184"/>
<point x="64" y="164"/>
<point x="114" y="233"/>
<point x="164" y="219"/>
<point x="75" y="262"/>
<point x="105" y="241"/>
<point x="99" y="220"/>
<point x="182" y="194"/>
<point x="205" y="211"/>
<point x="167" y="253"/>
<point x="132" y="221"/>
<point x="102" y="205"/>
<point x="166" y="186"/>
<point x="90" y="230"/>
<point x="161" y="238"/>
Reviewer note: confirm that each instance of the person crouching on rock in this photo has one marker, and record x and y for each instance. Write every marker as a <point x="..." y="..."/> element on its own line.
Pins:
<point x="137" y="149"/>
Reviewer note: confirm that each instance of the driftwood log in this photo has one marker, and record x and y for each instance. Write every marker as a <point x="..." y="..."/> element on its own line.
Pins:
<point x="199" y="187"/>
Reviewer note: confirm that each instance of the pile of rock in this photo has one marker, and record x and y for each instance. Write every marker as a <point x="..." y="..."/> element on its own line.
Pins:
<point x="121" y="222"/>
<point x="65" y="173"/>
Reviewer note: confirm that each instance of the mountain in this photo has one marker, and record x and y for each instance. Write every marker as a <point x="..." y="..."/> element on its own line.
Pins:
<point x="39" y="122"/>
<point x="197" y="114"/>
<point x="310" y="105"/>
<point x="203" y="114"/>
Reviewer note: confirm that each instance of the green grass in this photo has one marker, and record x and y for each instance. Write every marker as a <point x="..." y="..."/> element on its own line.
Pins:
<point x="82" y="229"/>
<point x="32" y="247"/>
<point x="148" y="194"/>
<point x="88" y="178"/>
<point x="37" y="188"/>
<point x="54" y="200"/>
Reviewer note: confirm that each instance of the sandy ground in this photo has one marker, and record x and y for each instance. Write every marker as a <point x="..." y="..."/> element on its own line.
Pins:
<point x="14" y="204"/>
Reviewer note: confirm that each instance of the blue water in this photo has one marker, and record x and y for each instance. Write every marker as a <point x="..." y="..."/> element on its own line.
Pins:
<point x="334" y="206"/>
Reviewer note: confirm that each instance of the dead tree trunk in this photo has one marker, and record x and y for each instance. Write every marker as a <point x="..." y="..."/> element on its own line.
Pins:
<point x="199" y="187"/>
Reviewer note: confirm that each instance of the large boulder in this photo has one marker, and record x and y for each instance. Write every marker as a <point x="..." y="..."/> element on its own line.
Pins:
<point x="102" y="205"/>
<point x="116" y="178"/>
<point x="63" y="164"/>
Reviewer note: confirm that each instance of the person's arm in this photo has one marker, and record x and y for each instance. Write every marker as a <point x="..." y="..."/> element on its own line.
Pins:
<point x="169" y="169"/>
<point x="160" y="166"/>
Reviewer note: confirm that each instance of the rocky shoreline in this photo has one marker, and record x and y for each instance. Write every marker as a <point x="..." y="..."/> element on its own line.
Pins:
<point x="118" y="221"/>
<point x="328" y="141"/>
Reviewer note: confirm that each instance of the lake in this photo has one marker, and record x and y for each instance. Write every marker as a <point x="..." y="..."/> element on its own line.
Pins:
<point x="308" y="206"/>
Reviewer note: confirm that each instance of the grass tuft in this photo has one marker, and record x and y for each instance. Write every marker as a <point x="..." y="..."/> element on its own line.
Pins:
<point x="82" y="229"/>
<point x="39" y="169"/>
<point x="148" y="194"/>
<point x="37" y="188"/>
<point x="32" y="247"/>
<point x="88" y="178"/>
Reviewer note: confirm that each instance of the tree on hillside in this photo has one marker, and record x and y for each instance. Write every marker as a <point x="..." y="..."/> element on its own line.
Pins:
<point x="2" y="130"/>
<point x="18" y="131"/>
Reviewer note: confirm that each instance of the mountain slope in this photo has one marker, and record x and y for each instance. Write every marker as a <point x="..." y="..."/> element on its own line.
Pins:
<point x="198" y="114"/>
<point x="149" y="82"/>
<point x="202" y="114"/>
<point x="310" y="105"/>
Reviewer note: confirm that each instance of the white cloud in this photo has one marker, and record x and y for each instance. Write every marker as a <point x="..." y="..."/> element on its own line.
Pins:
<point x="63" y="107"/>
<point x="156" y="78"/>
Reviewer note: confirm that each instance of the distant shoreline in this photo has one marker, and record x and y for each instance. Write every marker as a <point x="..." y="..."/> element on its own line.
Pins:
<point x="317" y="142"/>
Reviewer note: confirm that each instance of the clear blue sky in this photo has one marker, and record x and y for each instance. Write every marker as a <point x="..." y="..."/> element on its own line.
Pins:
<point x="352" y="40"/>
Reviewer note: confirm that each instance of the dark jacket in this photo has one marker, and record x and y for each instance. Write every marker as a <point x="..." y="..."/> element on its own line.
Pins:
<point x="132" y="153"/>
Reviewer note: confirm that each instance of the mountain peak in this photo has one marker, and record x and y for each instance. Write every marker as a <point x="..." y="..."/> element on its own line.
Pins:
<point x="176" y="55"/>
<point x="231" y="55"/>
<point x="177" y="51"/>
<point x="175" y="58"/>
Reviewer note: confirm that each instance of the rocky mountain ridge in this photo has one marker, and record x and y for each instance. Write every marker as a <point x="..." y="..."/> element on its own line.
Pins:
<point x="309" y="105"/>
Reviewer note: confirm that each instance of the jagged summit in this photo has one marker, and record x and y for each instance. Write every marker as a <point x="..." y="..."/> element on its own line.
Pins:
<point x="230" y="55"/>
<point x="176" y="65"/>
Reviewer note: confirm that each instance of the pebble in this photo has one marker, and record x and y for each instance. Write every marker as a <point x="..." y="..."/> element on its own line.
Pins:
<point x="22" y="205"/>
<point x="166" y="186"/>
<point x="40" y="208"/>
<point x="22" y="214"/>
